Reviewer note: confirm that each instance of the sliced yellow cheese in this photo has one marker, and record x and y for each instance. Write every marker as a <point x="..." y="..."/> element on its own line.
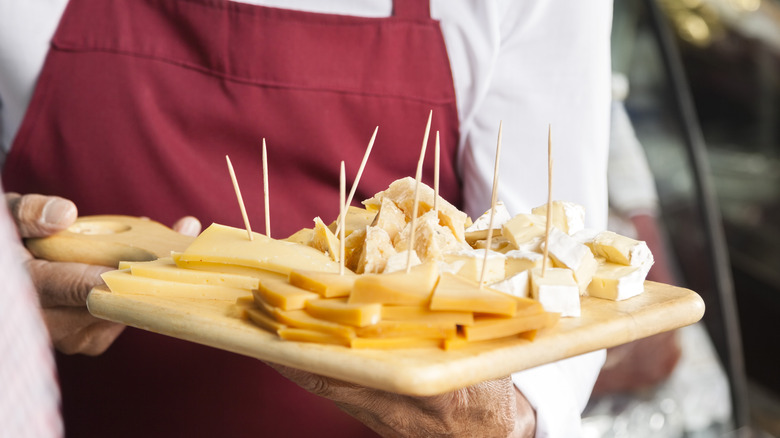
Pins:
<point x="460" y="341"/>
<point x="394" y="343"/>
<point x="257" y="273"/>
<point x="123" y="282"/>
<point x="326" y="284"/>
<point x="262" y="320"/>
<point x="497" y="327"/>
<point x="459" y="294"/>
<point x="279" y="293"/>
<point x="357" y="218"/>
<point x="302" y="319"/>
<point x="398" y="288"/>
<point x="302" y="236"/>
<point x="324" y="240"/>
<point x="468" y="264"/>
<point x="339" y="311"/>
<point x="305" y="335"/>
<point x="402" y="329"/>
<point x="166" y="269"/>
<point x="223" y="244"/>
<point x="426" y="316"/>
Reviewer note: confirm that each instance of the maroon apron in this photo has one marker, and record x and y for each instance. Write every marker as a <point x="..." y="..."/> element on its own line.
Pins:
<point x="137" y="105"/>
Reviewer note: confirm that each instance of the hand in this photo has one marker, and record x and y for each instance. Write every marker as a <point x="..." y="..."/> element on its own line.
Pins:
<point x="494" y="408"/>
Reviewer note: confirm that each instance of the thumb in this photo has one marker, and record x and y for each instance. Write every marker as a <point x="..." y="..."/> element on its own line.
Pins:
<point x="39" y="215"/>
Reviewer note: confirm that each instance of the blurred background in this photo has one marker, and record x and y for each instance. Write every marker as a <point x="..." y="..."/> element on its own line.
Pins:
<point x="696" y="91"/>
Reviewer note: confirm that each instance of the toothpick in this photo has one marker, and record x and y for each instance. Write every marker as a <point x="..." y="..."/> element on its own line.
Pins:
<point x="417" y="177"/>
<point x="342" y="216"/>
<point x="436" y="175"/>
<point x="240" y="199"/>
<point x="265" y="193"/>
<point x="359" y="173"/>
<point x="549" y="199"/>
<point x="493" y="200"/>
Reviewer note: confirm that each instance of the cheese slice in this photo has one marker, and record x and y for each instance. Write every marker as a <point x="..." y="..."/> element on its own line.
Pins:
<point x="468" y="264"/>
<point x="426" y="316"/>
<point x="407" y="329"/>
<point x="566" y="252"/>
<point x="279" y="293"/>
<point x="455" y="293"/>
<point x="306" y="335"/>
<point x="225" y="268"/>
<point x="339" y="311"/>
<point x="617" y="282"/>
<point x="166" y="269"/>
<point x="326" y="284"/>
<point x="302" y="236"/>
<point x="491" y="327"/>
<point x="556" y="290"/>
<point x="122" y="282"/>
<point x="524" y="228"/>
<point x="302" y="319"/>
<point x="263" y="321"/>
<point x="623" y="250"/>
<point x="223" y="244"/>
<point x="567" y="216"/>
<point x="398" y="288"/>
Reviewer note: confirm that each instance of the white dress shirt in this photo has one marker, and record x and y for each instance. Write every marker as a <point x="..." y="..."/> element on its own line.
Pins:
<point x="529" y="63"/>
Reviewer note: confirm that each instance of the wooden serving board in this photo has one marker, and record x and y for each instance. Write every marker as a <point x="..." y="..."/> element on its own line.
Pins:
<point x="422" y="371"/>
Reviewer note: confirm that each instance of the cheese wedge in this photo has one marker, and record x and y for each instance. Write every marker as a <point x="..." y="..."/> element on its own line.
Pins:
<point x="389" y="218"/>
<point x="455" y="293"/>
<point x="302" y="236"/>
<point x="353" y="248"/>
<point x="491" y="327"/>
<point x="223" y="244"/>
<point x="377" y="248"/>
<point x="426" y="316"/>
<point x="566" y="252"/>
<point x="524" y="229"/>
<point x="339" y="311"/>
<point x="567" y="216"/>
<point x="326" y="284"/>
<point x="166" y="269"/>
<point x="279" y="293"/>
<point x="617" y="282"/>
<point x="556" y="290"/>
<point x="623" y="250"/>
<point x="468" y="264"/>
<point x="519" y="261"/>
<point x="479" y="229"/>
<point x="397" y="288"/>
<point x="518" y="285"/>
<point x="324" y="240"/>
<point x="122" y="282"/>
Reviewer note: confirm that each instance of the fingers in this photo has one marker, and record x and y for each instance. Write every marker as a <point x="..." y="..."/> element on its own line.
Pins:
<point x="188" y="225"/>
<point x="64" y="284"/>
<point x="41" y="216"/>
<point x="73" y="330"/>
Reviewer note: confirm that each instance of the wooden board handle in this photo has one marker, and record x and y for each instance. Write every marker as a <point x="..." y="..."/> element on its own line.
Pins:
<point x="108" y="239"/>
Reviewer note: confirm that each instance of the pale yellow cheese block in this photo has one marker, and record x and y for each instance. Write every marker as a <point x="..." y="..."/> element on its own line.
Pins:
<point x="357" y="218"/>
<point x="326" y="284"/>
<point x="339" y="311"/>
<point x="398" y="288"/>
<point x="223" y="244"/>
<point x="496" y="327"/>
<point x="279" y="293"/>
<point x="459" y="294"/>
<point x="166" y="269"/>
<point x="468" y="264"/>
<point x="523" y="228"/>
<point x="566" y="216"/>
<point x="122" y="282"/>
<point x="260" y="318"/>
<point x="302" y="319"/>
<point x="616" y="282"/>
<point x="224" y="268"/>
<point x="426" y="316"/>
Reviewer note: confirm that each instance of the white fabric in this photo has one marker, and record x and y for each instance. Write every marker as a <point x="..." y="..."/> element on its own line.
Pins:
<point x="530" y="64"/>
<point x="29" y="397"/>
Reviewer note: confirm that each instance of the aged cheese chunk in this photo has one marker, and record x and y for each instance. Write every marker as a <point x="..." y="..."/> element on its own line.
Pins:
<point x="339" y="311"/>
<point x="468" y="264"/>
<point x="479" y="229"/>
<point x="356" y="219"/>
<point x="302" y="236"/>
<point x="568" y="253"/>
<point x="400" y="288"/>
<point x="491" y="327"/>
<point x="376" y="250"/>
<point x="166" y="269"/>
<point x="556" y="290"/>
<point x="263" y="320"/>
<point x="426" y="316"/>
<point x="394" y="343"/>
<point x="519" y="261"/>
<point x="327" y="284"/>
<point x="524" y="229"/>
<point x="280" y="293"/>
<point x="401" y="192"/>
<point x="498" y="243"/>
<point x="353" y="248"/>
<point x="302" y="319"/>
<point x="307" y="335"/>
<point x="403" y="329"/>
<point x="399" y="260"/>
<point x="390" y="218"/>
<point x="617" y="282"/>
<point x="517" y="285"/>
<point x="223" y="244"/>
<point x="122" y="282"/>
<point x="567" y="216"/>
<point x="431" y="240"/>
<point x="623" y="250"/>
<point x="459" y="294"/>
<point x="324" y="240"/>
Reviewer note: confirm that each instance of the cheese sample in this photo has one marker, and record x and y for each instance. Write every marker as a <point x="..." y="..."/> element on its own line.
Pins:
<point x="431" y="240"/>
<point x="339" y="311"/>
<point x="166" y="269"/>
<point x="264" y="321"/>
<point x="495" y="327"/>
<point x="617" y="282"/>
<point x="324" y="240"/>
<point x="307" y="335"/>
<point x="223" y="244"/>
<point x="623" y="250"/>
<point x="353" y="248"/>
<point x="302" y="236"/>
<point x="556" y="290"/>
<point x="403" y="329"/>
<point x="356" y="219"/>
<point x="468" y="264"/>
<point x="425" y="316"/>
<point x="302" y="319"/>
<point x="399" y="260"/>
<point x="326" y="284"/>
<point x="377" y="248"/>
<point x="389" y="218"/>
<point x="498" y="243"/>
<point x="524" y="228"/>
<point x="398" y="288"/>
<point x="122" y="282"/>
<point x="225" y="268"/>
<point x="479" y="229"/>
<point x="279" y="293"/>
<point x="459" y="294"/>
<point x="518" y="285"/>
<point x="401" y="191"/>
<point x="567" y="216"/>
<point x="566" y="252"/>
<point x="519" y="261"/>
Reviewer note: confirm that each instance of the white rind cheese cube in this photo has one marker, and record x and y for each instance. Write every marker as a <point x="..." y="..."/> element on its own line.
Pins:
<point x="556" y="291"/>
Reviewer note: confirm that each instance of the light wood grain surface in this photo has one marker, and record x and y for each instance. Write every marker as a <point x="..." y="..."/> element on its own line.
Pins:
<point x="423" y="371"/>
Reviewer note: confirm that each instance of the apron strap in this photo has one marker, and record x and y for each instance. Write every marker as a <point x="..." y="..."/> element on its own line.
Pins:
<point x="418" y="9"/>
